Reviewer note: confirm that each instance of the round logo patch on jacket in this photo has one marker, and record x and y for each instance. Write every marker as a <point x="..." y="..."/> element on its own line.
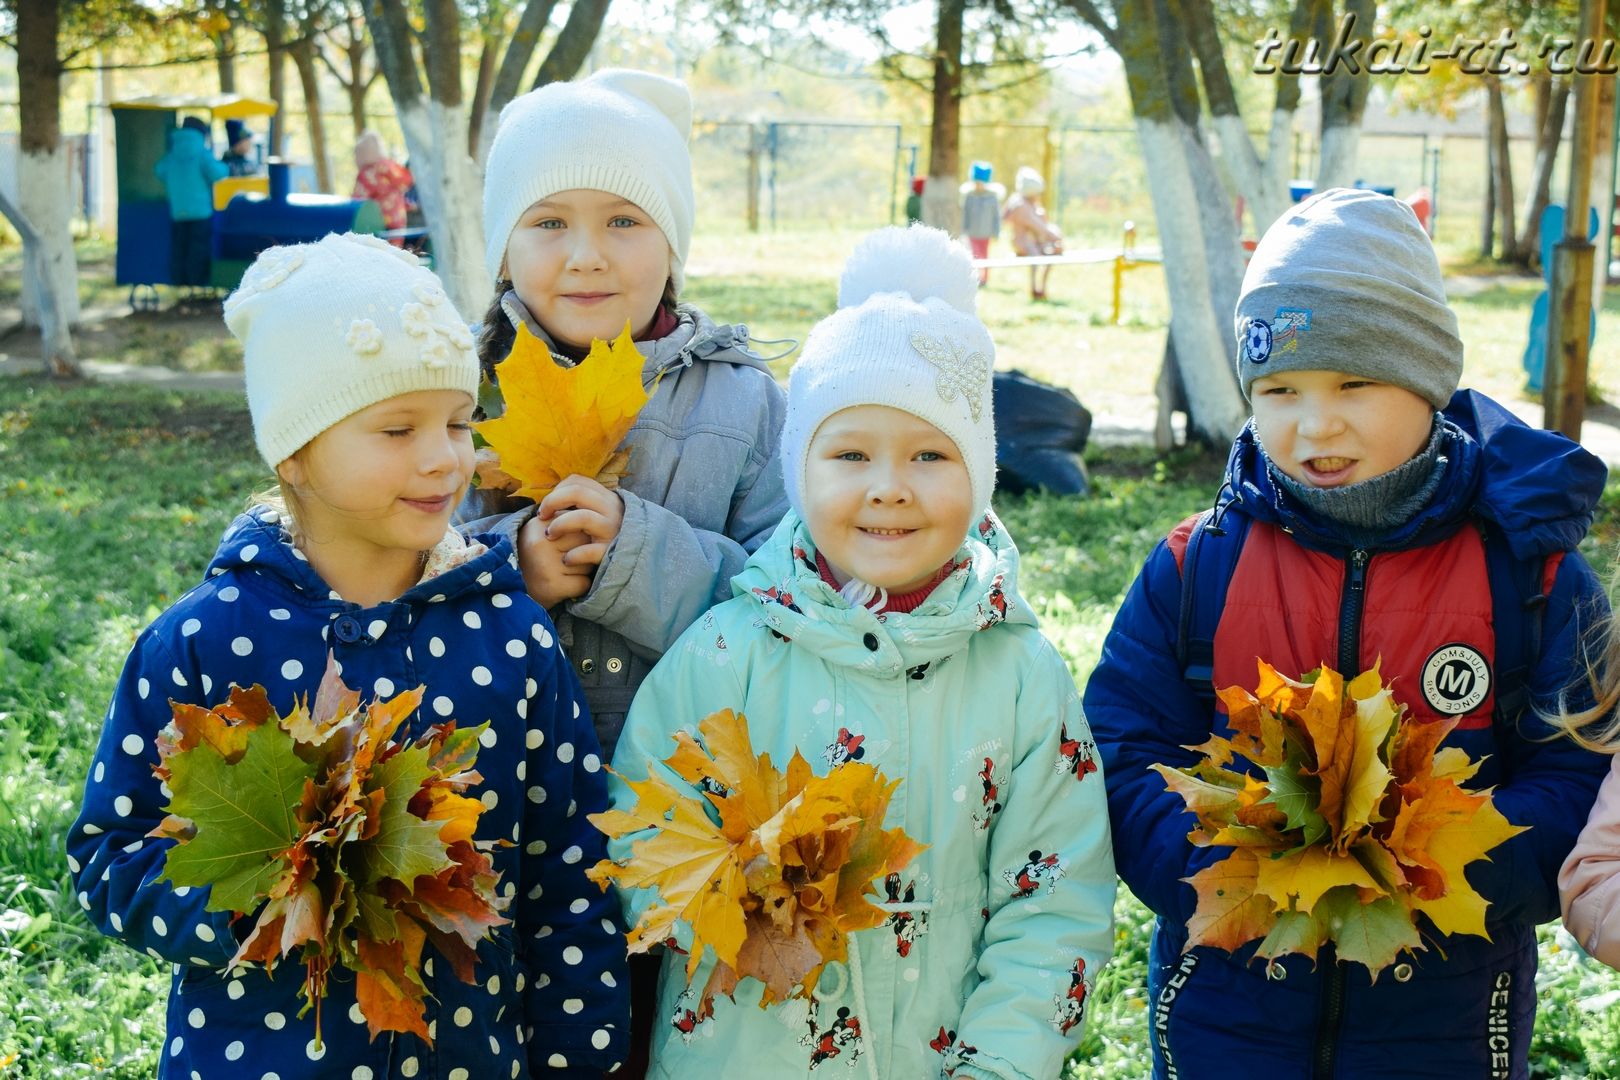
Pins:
<point x="1456" y="679"/>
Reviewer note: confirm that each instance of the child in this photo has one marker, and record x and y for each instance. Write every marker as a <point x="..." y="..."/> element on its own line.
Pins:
<point x="1032" y="234"/>
<point x="188" y="171"/>
<point x="882" y="622"/>
<point x="1587" y="883"/>
<point x="588" y="211"/>
<point x="1358" y="526"/>
<point x="914" y="200"/>
<point x="981" y="213"/>
<point x="239" y="157"/>
<point x="360" y="381"/>
<point x="383" y="180"/>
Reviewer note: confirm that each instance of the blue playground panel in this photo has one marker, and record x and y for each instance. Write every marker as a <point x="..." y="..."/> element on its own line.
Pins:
<point x="1535" y="351"/>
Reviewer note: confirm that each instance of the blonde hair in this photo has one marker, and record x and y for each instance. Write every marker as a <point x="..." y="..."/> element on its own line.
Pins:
<point x="1598" y="726"/>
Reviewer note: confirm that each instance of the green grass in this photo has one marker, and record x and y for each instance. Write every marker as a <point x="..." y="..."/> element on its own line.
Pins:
<point x="112" y="499"/>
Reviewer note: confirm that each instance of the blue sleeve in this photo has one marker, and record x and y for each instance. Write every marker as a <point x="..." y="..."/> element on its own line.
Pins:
<point x="570" y="931"/>
<point x="213" y="169"/>
<point x="1141" y="712"/>
<point x="113" y="862"/>
<point x="1549" y="783"/>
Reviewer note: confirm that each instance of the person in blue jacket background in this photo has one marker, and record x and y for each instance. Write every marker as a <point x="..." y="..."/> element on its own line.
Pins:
<point x="361" y="380"/>
<point x="1368" y="519"/>
<point x="188" y="171"/>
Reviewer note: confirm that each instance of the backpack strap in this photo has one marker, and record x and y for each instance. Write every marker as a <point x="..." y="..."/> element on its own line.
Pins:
<point x="1207" y="564"/>
<point x="1518" y="602"/>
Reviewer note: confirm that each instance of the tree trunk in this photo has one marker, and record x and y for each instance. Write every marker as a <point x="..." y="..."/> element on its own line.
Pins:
<point x="275" y="37"/>
<point x="482" y="88"/>
<point x="225" y="49"/>
<point x="941" y="205"/>
<point x="1548" y="137"/>
<point x="303" y="55"/>
<point x="1344" y="97"/>
<point x="1501" y="159"/>
<point x="50" y="297"/>
<point x="573" y="44"/>
<point x="356" y="83"/>
<point x="1487" y="220"/>
<point x="60" y="358"/>
<point x="1603" y="187"/>
<point x="435" y="130"/>
<point x="509" y="78"/>
<point x="1200" y="336"/>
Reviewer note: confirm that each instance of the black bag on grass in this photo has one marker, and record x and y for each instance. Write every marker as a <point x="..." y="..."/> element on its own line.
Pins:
<point x="1040" y="433"/>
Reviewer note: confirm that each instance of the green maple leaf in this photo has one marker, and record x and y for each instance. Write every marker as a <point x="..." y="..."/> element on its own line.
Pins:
<point x="1297" y="796"/>
<point x="1294" y="932"/>
<point x="246" y="814"/>
<point x="1370" y="934"/>
<point x="405" y="847"/>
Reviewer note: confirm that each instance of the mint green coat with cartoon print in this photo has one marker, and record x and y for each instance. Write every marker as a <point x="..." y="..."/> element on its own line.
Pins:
<point x="997" y="931"/>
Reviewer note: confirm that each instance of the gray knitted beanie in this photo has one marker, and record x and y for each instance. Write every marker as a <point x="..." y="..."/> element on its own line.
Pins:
<point x="1348" y="281"/>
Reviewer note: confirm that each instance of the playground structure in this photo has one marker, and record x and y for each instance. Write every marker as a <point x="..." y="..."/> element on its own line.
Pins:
<point x="1127" y="256"/>
<point x="251" y="213"/>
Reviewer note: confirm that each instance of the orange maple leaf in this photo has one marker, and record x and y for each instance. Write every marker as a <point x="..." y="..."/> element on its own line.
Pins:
<point x="770" y="871"/>
<point x="560" y="421"/>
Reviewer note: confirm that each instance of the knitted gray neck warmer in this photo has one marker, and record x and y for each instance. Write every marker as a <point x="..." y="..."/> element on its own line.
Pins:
<point x="1372" y="508"/>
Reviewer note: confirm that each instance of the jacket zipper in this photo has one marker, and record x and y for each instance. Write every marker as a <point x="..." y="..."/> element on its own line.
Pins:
<point x="1331" y="1012"/>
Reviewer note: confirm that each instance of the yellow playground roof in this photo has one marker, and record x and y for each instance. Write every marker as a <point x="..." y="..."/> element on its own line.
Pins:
<point x="222" y="106"/>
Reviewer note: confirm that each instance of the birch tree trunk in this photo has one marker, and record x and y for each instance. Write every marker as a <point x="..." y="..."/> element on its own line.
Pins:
<point x="55" y="336"/>
<point x="1501" y="164"/>
<point x="1548" y="136"/>
<point x="1344" y="99"/>
<point x="303" y="55"/>
<point x="50" y="296"/>
<point x="275" y="37"/>
<point x="941" y="206"/>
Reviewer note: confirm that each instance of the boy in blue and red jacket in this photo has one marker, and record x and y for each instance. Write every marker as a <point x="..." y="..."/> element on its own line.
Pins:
<point x="1359" y="523"/>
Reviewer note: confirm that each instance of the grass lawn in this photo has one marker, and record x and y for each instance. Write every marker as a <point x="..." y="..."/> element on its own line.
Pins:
<point x="112" y="500"/>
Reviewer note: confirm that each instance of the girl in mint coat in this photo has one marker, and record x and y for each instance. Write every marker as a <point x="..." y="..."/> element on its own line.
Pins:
<point x="882" y="623"/>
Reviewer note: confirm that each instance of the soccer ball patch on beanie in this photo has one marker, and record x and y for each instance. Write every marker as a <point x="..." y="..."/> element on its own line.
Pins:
<point x="1257" y="341"/>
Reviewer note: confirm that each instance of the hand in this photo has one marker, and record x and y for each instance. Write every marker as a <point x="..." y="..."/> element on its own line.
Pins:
<point x="488" y="474"/>
<point x="584" y="507"/>
<point x="546" y="573"/>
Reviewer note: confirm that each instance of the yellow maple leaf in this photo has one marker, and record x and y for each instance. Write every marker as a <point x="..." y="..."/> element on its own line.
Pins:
<point x="562" y="421"/>
<point x="771" y="871"/>
<point x="1229" y="911"/>
<point x="1296" y="880"/>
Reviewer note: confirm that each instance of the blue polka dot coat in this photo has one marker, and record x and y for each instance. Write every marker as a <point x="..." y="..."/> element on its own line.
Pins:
<point x="551" y="993"/>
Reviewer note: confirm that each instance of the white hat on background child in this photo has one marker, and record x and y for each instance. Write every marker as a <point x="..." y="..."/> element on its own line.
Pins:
<point x="619" y="131"/>
<point x="905" y="335"/>
<point x="1028" y="181"/>
<point x="330" y="328"/>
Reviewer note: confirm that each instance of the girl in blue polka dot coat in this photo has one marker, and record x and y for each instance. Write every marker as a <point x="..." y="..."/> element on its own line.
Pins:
<point x="370" y="440"/>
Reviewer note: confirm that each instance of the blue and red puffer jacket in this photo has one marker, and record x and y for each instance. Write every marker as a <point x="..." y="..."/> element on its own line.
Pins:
<point x="1299" y="597"/>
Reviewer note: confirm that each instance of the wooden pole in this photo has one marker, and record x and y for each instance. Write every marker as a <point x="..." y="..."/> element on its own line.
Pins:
<point x="1569" y="307"/>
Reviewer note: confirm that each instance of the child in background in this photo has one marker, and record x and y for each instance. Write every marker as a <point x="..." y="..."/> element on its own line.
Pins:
<point x="188" y="171"/>
<point x="914" y="200"/>
<point x="1359" y="525"/>
<point x="361" y="380"/>
<point x="239" y="157"/>
<point x="1589" y="883"/>
<point x="882" y="622"/>
<point x="981" y="213"/>
<point x="588" y="210"/>
<point x="382" y="180"/>
<point x="1032" y="233"/>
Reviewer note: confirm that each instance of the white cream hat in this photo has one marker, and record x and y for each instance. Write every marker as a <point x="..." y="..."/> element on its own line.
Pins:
<point x="619" y="131"/>
<point x="330" y="328"/>
<point x="905" y="335"/>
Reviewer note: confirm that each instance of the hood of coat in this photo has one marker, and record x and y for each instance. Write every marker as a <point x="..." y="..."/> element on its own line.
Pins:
<point x="695" y="337"/>
<point x="186" y="143"/>
<point x="256" y="543"/>
<point x="794" y="602"/>
<point x="1538" y="486"/>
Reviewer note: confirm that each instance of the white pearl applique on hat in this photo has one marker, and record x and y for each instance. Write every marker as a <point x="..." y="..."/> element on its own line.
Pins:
<point x="959" y="371"/>
<point x="442" y="332"/>
<point x="270" y="269"/>
<point x="380" y="244"/>
<point x="364" y="337"/>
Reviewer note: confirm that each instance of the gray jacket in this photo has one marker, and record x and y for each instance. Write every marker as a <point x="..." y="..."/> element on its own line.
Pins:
<point x="704" y="490"/>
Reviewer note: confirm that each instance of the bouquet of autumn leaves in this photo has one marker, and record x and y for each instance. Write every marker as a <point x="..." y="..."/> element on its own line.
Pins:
<point x="1347" y="827"/>
<point x="778" y="885"/>
<point x="354" y="848"/>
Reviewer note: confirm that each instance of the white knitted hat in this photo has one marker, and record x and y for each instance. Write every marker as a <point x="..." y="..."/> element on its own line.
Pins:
<point x="332" y="327"/>
<point x="619" y="131"/>
<point x="905" y="335"/>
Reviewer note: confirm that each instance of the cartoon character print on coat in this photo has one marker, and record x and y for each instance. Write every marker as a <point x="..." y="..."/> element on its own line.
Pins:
<point x="807" y="560"/>
<point x="987" y="528"/>
<point x="1071" y="1006"/>
<point x="846" y="747"/>
<point x="955" y="1053"/>
<point x="687" y="1021"/>
<point x="1077" y="756"/>
<point x="990" y="800"/>
<point x="908" y="926"/>
<point x="1027" y="878"/>
<point x="777" y="594"/>
<point x="997" y="611"/>
<point x="843" y="1034"/>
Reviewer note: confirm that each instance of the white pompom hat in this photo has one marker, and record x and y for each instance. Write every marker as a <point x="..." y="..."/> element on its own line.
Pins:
<point x="906" y="335"/>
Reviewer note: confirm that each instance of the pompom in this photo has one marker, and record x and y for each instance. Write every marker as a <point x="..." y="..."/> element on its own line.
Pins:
<point x="918" y="262"/>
